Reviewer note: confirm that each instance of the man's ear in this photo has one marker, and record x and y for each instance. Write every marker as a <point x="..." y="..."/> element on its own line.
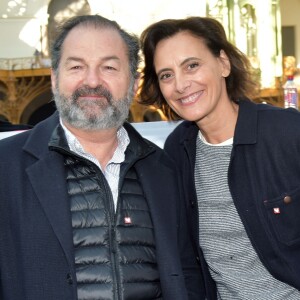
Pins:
<point x="137" y="82"/>
<point x="226" y="66"/>
<point x="53" y="79"/>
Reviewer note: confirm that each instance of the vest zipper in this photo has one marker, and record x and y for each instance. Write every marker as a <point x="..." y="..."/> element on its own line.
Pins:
<point x="112" y="236"/>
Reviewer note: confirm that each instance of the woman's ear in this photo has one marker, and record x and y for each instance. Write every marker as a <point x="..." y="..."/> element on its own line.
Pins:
<point x="226" y="67"/>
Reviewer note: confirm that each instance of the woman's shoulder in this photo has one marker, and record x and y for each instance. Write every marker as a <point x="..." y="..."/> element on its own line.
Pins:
<point x="185" y="129"/>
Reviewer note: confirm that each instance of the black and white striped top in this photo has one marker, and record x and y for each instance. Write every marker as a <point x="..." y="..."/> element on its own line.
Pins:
<point x="233" y="263"/>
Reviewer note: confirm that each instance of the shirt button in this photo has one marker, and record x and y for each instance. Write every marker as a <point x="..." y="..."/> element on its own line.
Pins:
<point x="287" y="199"/>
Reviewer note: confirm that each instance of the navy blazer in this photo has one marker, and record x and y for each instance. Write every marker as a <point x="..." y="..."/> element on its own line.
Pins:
<point x="36" y="245"/>
<point x="263" y="175"/>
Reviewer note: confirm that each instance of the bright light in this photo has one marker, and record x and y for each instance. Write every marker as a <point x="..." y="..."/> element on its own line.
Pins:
<point x="12" y="4"/>
<point x="30" y="33"/>
<point x="16" y="7"/>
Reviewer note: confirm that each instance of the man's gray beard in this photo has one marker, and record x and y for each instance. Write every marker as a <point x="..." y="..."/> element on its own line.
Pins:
<point x="93" y="114"/>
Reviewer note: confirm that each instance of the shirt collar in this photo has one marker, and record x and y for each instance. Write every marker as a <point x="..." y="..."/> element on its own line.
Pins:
<point x="118" y="156"/>
<point x="225" y="143"/>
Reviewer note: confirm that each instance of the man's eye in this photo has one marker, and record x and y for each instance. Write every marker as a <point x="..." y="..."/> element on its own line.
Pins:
<point x="76" y="67"/>
<point x="110" y="68"/>
<point x="193" y="65"/>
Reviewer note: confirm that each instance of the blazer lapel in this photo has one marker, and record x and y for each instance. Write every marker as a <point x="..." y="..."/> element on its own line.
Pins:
<point x="49" y="183"/>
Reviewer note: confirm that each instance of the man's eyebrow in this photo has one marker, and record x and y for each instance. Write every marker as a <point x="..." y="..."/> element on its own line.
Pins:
<point x="73" y="58"/>
<point x="112" y="57"/>
<point x="78" y="59"/>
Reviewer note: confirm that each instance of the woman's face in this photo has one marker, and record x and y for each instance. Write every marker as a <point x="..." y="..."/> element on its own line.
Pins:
<point x="191" y="79"/>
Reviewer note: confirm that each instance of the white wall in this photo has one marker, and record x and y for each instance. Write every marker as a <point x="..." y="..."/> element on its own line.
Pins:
<point x="135" y="15"/>
<point x="290" y="16"/>
<point x="21" y="36"/>
<point x="14" y="43"/>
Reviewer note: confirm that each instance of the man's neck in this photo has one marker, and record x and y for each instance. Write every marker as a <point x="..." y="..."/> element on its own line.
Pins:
<point x="100" y="143"/>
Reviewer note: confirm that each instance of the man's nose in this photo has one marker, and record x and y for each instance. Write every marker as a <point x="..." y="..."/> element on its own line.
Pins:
<point x="93" y="78"/>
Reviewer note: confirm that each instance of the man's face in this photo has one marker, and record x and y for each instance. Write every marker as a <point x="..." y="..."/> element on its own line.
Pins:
<point x="93" y="87"/>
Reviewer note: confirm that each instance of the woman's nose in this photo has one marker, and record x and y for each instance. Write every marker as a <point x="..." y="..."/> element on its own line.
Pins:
<point x="182" y="84"/>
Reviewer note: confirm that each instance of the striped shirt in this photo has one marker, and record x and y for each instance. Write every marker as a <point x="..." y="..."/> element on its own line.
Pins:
<point x="112" y="170"/>
<point x="232" y="260"/>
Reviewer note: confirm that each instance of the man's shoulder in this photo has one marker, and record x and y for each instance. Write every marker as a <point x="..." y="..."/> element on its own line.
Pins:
<point x="12" y="145"/>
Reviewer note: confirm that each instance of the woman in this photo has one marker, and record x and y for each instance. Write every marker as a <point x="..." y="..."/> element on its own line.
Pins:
<point x="238" y="160"/>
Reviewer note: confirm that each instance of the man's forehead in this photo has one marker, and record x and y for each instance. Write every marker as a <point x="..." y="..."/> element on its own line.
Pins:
<point x="90" y="38"/>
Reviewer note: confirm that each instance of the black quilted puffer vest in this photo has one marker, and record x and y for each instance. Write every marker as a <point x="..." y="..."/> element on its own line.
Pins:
<point x="114" y="252"/>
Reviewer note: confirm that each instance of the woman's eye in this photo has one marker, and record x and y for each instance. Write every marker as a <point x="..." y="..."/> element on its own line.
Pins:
<point x="164" y="76"/>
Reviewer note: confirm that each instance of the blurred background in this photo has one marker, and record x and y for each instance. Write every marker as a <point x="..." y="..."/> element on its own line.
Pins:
<point x="267" y="31"/>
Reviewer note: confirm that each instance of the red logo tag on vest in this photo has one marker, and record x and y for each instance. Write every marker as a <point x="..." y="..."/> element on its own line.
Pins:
<point x="127" y="220"/>
<point x="276" y="210"/>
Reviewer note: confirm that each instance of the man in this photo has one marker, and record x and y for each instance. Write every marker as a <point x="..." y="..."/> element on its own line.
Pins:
<point x="89" y="209"/>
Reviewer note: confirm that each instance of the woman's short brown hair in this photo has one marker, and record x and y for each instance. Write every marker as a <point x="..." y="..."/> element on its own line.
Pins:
<point x="239" y="83"/>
